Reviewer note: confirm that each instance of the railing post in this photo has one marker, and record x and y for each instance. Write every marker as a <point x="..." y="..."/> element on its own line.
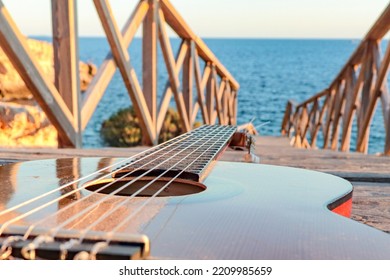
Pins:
<point x="235" y="106"/>
<point x="188" y="73"/>
<point x="349" y="108"/>
<point x="149" y="61"/>
<point x="66" y="63"/>
<point x="387" y="141"/>
<point x="225" y="102"/>
<point x="363" y="130"/>
<point x="286" y="119"/>
<point x="311" y="121"/>
<point x="210" y="95"/>
<point x="329" y="119"/>
<point x="14" y="45"/>
<point x="340" y="99"/>
<point x="230" y="97"/>
<point x="319" y="124"/>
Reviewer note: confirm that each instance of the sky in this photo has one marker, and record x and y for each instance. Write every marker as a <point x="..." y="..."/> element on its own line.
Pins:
<point x="225" y="18"/>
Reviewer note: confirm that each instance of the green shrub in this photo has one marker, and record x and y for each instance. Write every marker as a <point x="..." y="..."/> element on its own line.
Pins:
<point x="122" y="129"/>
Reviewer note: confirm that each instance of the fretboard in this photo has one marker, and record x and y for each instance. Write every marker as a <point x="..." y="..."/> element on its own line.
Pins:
<point x="189" y="154"/>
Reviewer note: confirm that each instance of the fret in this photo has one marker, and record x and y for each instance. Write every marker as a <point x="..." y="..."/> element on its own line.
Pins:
<point x="191" y="145"/>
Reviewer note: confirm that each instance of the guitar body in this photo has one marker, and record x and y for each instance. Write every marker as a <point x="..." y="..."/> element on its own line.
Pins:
<point x="242" y="211"/>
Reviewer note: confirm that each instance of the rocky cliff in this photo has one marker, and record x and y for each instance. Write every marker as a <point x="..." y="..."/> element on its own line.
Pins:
<point x="22" y="122"/>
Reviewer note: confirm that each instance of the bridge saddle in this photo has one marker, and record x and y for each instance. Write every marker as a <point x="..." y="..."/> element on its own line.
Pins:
<point x="66" y="245"/>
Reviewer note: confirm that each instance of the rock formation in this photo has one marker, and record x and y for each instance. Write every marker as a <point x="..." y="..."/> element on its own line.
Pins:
<point x="22" y="122"/>
<point x="25" y="125"/>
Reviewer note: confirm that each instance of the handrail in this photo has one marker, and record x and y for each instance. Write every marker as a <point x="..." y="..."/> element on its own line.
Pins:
<point x="353" y="93"/>
<point x="216" y="89"/>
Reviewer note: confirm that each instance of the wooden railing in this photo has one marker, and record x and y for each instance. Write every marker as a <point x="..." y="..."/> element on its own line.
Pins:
<point x="216" y="89"/>
<point x="353" y="93"/>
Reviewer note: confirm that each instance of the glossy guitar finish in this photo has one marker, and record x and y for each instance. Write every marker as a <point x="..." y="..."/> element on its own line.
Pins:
<point x="247" y="211"/>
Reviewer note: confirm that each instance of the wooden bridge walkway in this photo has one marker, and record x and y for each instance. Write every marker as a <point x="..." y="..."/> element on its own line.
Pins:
<point x="368" y="173"/>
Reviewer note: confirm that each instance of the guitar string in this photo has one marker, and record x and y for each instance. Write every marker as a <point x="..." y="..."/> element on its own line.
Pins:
<point x="110" y="235"/>
<point x="34" y="210"/>
<point x="54" y="231"/>
<point x="15" y="207"/>
<point x="5" y="225"/>
<point x="181" y="139"/>
<point x="95" y="249"/>
<point x="24" y="203"/>
<point x="226" y="139"/>
<point x="30" y="248"/>
<point x="28" y="232"/>
<point x="96" y="204"/>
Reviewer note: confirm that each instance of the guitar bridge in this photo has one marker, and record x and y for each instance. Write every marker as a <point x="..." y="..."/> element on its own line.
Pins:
<point x="66" y="245"/>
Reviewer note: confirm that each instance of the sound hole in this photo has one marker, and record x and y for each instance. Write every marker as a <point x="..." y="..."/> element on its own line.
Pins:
<point x="177" y="187"/>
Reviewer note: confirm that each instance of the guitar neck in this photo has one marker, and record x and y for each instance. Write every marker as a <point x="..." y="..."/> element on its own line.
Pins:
<point x="190" y="154"/>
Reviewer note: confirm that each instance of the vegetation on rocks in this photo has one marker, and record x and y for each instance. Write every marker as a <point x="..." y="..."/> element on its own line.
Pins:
<point x="122" y="129"/>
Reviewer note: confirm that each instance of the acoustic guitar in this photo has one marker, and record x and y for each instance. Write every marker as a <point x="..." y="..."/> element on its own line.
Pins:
<point x="176" y="201"/>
